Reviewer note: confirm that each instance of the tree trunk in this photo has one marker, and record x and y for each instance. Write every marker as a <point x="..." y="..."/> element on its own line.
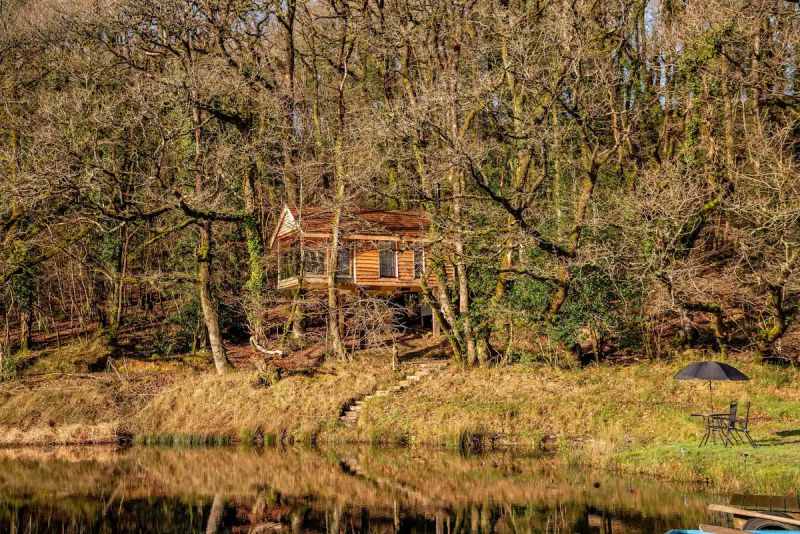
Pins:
<point x="119" y="290"/>
<point x="215" y="514"/>
<point x="255" y="250"/>
<point x="204" y="258"/>
<point x="289" y="104"/>
<point x="207" y="300"/>
<point x="23" y="282"/>
<point x="564" y="282"/>
<point x="25" y="328"/>
<point x="337" y="345"/>
<point x="441" y="310"/>
<point x="340" y="178"/>
<point x="776" y="324"/>
<point x="296" y="315"/>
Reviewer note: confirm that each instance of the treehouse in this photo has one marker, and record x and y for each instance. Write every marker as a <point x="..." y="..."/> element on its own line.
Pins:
<point x="381" y="252"/>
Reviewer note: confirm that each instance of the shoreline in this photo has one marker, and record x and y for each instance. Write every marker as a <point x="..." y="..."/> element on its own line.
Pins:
<point x="575" y="454"/>
<point x="630" y="419"/>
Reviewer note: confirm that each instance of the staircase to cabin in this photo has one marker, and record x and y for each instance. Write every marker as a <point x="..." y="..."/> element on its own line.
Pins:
<point x="351" y="411"/>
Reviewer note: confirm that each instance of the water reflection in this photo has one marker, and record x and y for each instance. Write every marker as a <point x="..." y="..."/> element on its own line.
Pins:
<point x="87" y="490"/>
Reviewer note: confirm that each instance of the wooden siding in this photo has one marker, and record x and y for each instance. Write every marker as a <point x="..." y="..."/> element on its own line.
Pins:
<point x="368" y="266"/>
<point x="365" y="264"/>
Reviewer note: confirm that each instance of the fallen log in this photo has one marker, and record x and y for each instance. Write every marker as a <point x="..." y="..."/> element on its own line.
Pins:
<point x="277" y="352"/>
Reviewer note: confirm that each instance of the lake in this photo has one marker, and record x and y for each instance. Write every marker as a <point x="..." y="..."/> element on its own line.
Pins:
<point x="215" y="490"/>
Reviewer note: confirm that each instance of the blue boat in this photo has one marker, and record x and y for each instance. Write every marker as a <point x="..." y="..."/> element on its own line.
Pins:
<point x="692" y="531"/>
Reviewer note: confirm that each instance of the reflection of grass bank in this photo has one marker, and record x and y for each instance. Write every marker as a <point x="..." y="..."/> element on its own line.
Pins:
<point x="633" y="418"/>
<point x="427" y="483"/>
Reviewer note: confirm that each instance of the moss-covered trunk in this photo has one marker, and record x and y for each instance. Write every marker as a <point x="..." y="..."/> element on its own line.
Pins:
<point x="204" y="258"/>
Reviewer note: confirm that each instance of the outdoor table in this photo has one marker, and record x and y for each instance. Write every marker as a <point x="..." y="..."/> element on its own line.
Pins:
<point x="711" y="426"/>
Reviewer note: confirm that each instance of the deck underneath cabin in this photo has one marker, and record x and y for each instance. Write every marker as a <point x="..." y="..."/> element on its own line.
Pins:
<point x="349" y="284"/>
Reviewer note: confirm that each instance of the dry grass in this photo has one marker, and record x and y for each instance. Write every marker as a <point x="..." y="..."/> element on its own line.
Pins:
<point x="58" y="411"/>
<point x="299" y="407"/>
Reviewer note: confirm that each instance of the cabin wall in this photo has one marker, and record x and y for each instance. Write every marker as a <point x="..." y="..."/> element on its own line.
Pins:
<point x="365" y="261"/>
<point x="368" y="266"/>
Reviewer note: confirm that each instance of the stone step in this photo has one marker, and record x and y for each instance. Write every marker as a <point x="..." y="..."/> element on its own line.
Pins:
<point x="434" y="365"/>
<point x="351" y="415"/>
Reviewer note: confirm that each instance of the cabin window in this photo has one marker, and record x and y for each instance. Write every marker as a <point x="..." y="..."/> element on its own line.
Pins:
<point x="313" y="261"/>
<point x="388" y="259"/>
<point x="344" y="263"/>
<point x="419" y="262"/>
<point x="290" y="262"/>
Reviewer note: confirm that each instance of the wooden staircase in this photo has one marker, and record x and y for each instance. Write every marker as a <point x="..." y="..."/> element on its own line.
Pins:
<point x="352" y="411"/>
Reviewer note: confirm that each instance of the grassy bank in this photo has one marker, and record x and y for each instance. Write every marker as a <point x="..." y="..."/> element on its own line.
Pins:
<point x="629" y="418"/>
<point x="179" y="404"/>
<point x="634" y="418"/>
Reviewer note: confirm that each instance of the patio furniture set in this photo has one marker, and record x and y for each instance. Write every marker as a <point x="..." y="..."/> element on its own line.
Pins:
<point x="728" y="427"/>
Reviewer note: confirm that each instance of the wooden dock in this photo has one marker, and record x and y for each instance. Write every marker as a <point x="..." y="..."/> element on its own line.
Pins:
<point x="766" y="503"/>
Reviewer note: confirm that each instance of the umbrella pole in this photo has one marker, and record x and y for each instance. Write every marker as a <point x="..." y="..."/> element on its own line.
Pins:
<point x="710" y="397"/>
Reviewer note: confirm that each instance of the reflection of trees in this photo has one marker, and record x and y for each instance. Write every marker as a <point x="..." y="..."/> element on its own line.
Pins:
<point x="297" y="490"/>
<point x="215" y="515"/>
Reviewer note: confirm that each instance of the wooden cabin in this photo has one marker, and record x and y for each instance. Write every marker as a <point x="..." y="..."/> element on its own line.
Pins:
<point x="381" y="251"/>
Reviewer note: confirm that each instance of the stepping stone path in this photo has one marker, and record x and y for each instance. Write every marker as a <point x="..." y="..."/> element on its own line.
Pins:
<point x="350" y="413"/>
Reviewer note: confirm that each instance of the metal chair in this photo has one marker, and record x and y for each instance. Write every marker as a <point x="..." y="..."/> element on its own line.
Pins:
<point x="732" y="428"/>
<point x="742" y="427"/>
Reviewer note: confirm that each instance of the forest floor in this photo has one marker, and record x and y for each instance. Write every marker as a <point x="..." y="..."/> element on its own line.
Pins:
<point x="632" y="417"/>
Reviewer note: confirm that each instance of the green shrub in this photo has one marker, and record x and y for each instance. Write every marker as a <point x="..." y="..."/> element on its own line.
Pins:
<point x="8" y="365"/>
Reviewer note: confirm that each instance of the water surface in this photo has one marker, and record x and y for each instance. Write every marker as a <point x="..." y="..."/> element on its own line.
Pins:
<point x="216" y="490"/>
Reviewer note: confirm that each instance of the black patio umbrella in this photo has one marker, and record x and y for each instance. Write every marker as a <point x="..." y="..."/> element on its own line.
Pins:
<point x="710" y="371"/>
